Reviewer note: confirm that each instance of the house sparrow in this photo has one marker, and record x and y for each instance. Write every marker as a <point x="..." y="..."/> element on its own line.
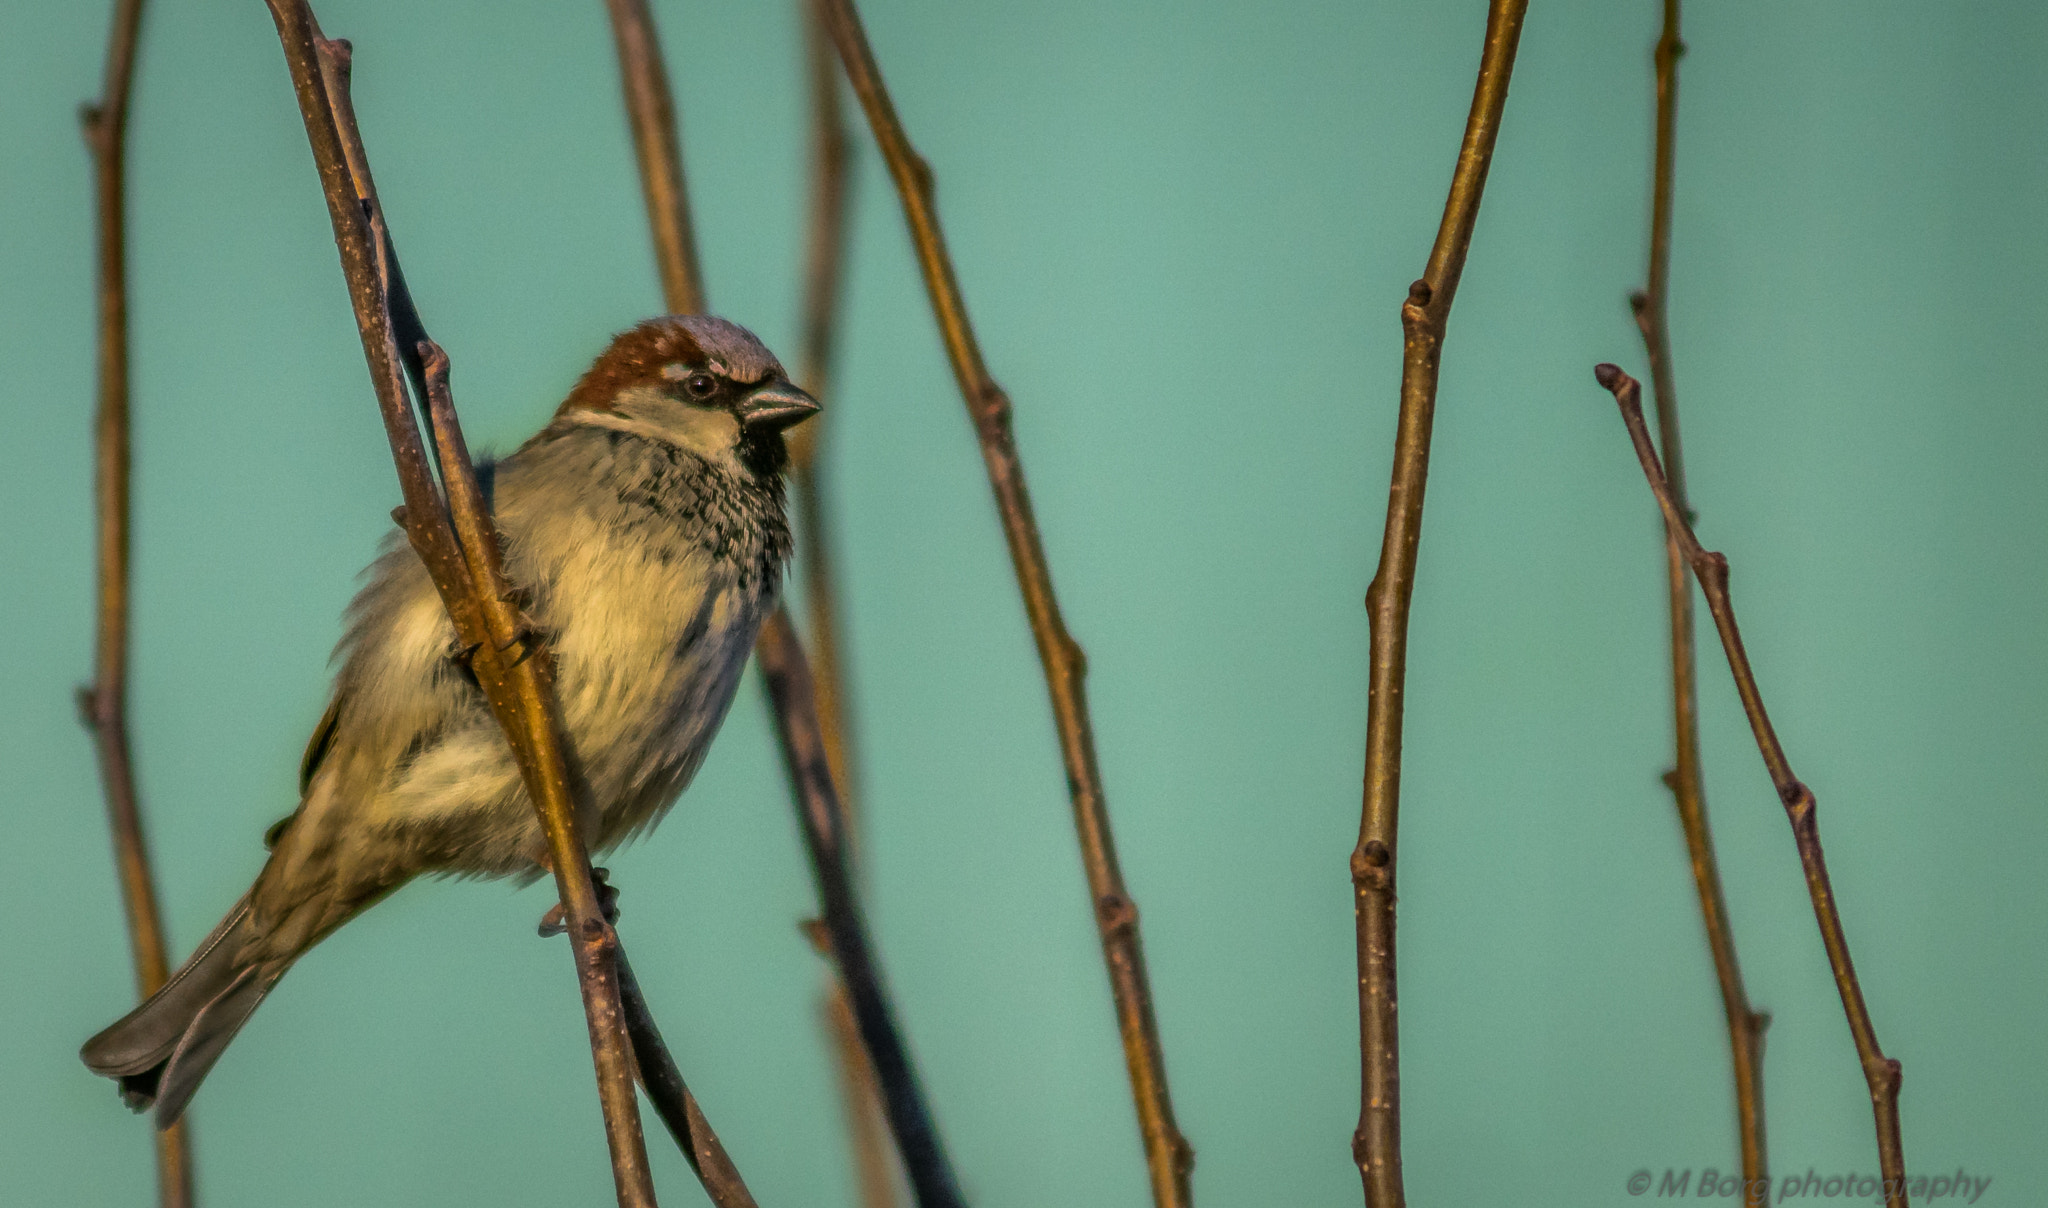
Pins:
<point x="645" y="524"/>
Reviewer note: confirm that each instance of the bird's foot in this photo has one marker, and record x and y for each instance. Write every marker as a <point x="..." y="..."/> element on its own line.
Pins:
<point x="526" y="639"/>
<point x="556" y="921"/>
<point x="463" y="659"/>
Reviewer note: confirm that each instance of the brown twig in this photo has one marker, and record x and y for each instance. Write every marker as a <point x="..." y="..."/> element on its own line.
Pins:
<point x="791" y="689"/>
<point x="860" y="1094"/>
<point x="673" y="1101"/>
<point x="653" y="118"/>
<point x="1688" y="790"/>
<point x="458" y="543"/>
<point x="1376" y="1146"/>
<point x="103" y="705"/>
<point x="1711" y="569"/>
<point x="1168" y="1156"/>
<point x="824" y="261"/>
<point x="653" y="1064"/>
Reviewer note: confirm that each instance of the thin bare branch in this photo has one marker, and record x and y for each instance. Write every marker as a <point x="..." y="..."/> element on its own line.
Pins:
<point x="459" y="545"/>
<point x="792" y="692"/>
<point x="860" y="1095"/>
<point x="1711" y="569"/>
<point x="653" y="117"/>
<point x="824" y="261"/>
<point x="1649" y="305"/>
<point x="1376" y="1146"/>
<point x="1688" y="790"/>
<point x="788" y="676"/>
<point x="1168" y="1157"/>
<point x="674" y="1103"/>
<point x="103" y="706"/>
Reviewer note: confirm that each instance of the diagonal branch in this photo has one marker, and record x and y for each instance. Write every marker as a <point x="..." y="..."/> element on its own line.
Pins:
<point x="860" y="1092"/>
<point x="1168" y="1157"/>
<point x="791" y="689"/>
<point x="458" y="543"/>
<point x="1711" y="569"/>
<point x="652" y="1063"/>
<point x="1688" y="790"/>
<point x="1376" y="1146"/>
<point x="674" y="1103"/>
<point x="103" y="706"/>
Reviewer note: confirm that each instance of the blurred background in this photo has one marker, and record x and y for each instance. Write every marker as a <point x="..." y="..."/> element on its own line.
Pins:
<point x="1185" y="231"/>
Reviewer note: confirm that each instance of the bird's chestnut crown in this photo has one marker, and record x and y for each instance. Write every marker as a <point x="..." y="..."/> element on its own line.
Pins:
<point x="695" y="381"/>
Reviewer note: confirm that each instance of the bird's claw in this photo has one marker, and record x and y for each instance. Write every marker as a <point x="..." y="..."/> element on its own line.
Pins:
<point x="527" y="639"/>
<point x="556" y="921"/>
<point x="463" y="658"/>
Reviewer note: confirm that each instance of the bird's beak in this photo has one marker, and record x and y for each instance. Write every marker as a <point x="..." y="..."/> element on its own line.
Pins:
<point x="774" y="407"/>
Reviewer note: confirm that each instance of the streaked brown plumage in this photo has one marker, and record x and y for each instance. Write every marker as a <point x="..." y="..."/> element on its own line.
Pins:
<point x="645" y="523"/>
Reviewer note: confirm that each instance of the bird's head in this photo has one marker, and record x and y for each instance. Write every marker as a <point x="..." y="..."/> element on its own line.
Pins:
<point x="697" y="382"/>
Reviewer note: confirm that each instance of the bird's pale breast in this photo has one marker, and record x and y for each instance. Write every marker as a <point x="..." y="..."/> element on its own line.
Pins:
<point x="651" y="622"/>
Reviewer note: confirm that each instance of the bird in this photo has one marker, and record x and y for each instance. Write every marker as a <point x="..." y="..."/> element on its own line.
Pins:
<point x="644" y="529"/>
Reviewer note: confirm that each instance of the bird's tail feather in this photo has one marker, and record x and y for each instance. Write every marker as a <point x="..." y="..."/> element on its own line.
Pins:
<point x="162" y="1049"/>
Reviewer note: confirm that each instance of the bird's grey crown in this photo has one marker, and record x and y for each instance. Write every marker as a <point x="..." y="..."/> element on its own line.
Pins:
<point x="731" y="351"/>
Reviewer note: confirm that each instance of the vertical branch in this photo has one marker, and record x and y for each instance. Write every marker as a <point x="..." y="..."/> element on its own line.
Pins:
<point x="104" y="703"/>
<point x="458" y="544"/>
<point x="1649" y="305"/>
<point x="103" y="706"/>
<point x="1168" y="1157"/>
<point x="792" y="692"/>
<point x="1376" y="1146"/>
<point x="653" y="118"/>
<point x="824" y="261"/>
<point x="1881" y="1073"/>
<point x="1688" y="790"/>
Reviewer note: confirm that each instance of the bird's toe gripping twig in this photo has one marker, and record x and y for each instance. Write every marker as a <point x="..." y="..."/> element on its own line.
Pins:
<point x="554" y="922"/>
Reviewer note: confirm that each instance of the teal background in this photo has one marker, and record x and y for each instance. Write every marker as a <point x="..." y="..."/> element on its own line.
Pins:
<point x="1185" y="231"/>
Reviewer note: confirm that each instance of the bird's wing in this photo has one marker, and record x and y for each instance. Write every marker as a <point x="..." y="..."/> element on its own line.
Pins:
<point x="318" y="745"/>
<point x="309" y="766"/>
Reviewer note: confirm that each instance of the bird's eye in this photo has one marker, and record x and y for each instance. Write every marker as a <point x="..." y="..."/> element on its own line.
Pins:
<point x="701" y="385"/>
